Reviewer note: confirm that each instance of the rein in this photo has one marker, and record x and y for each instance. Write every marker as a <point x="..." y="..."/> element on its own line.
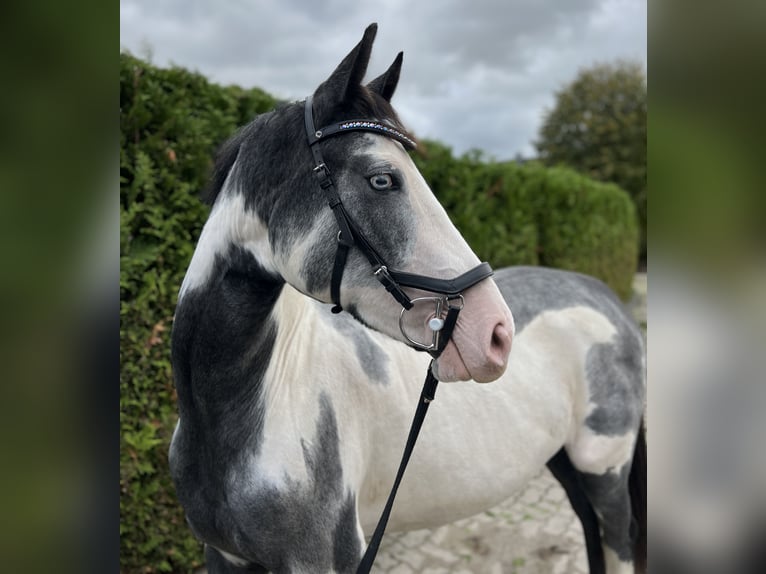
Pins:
<point x="449" y="290"/>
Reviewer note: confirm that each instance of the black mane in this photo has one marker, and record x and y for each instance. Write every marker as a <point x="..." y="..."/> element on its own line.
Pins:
<point x="224" y="160"/>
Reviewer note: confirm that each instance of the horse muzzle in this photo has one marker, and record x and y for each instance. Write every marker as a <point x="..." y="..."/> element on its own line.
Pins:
<point x="481" y="342"/>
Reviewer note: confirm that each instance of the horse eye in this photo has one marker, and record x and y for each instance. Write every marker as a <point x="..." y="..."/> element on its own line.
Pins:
<point x="381" y="181"/>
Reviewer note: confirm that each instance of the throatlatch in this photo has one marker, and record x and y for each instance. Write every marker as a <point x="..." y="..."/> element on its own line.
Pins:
<point x="449" y="290"/>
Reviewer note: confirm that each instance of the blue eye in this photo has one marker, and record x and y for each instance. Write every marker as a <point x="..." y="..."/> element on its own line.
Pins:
<point x="381" y="182"/>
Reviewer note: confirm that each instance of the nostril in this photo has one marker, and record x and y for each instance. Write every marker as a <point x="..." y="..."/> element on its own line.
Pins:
<point x="500" y="345"/>
<point x="496" y="339"/>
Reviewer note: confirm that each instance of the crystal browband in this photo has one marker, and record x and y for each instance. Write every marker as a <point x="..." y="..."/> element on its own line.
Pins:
<point x="361" y="125"/>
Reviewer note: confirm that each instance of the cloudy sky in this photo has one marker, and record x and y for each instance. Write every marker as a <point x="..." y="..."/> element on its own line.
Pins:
<point x="476" y="74"/>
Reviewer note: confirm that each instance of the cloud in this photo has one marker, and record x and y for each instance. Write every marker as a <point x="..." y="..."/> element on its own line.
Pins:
<point x="476" y="75"/>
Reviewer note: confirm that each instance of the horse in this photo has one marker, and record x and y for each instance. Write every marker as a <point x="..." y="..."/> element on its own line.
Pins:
<point x="293" y="416"/>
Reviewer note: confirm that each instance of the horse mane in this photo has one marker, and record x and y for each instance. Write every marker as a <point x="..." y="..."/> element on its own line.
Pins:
<point x="224" y="161"/>
<point x="366" y="105"/>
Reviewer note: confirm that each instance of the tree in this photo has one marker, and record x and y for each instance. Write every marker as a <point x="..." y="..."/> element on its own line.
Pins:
<point x="598" y="127"/>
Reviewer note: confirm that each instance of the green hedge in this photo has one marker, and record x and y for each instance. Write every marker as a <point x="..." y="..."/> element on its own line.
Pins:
<point x="527" y="214"/>
<point x="171" y="122"/>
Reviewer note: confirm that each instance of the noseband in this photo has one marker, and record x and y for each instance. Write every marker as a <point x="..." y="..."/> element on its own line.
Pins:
<point x="349" y="235"/>
<point x="448" y="291"/>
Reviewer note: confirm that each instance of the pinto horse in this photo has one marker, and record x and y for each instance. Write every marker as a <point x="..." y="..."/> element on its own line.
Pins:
<point x="293" y="417"/>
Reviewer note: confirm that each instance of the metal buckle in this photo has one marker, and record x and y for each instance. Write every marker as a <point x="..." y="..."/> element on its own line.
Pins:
<point x="382" y="274"/>
<point x="452" y="298"/>
<point x="342" y="240"/>
<point x="323" y="175"/>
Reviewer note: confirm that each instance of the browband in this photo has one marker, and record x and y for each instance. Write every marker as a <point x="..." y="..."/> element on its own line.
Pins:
<point x="315" y="135"/>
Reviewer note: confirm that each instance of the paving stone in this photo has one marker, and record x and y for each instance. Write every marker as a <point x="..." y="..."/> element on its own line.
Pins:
<point x="401" y="569"/>
<point x="530" y="495"/>
<point x="439" y="535"/>
<point x="440" y="553"/>
<point x="384" y="561"/>
<point x="413" y="558"/>
<point x="557" y="525"/>
<point x="416" y="538"/>
<point x="557" y="495"/>
<point x="560" y="566"/>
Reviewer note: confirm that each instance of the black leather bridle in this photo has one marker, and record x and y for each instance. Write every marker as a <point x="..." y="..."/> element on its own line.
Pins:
<point x="349" y="234"/>
<point x="449" y="290"/>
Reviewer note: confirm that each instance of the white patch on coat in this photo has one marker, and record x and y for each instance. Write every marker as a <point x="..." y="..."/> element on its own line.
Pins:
<point x="297" y="376"/>
<point x="229" y="223"/>
<point x="289" y="402"/>
<point x="236" y="560"/>
<point x="598" y="454"/>
<point x="613" y="563"/>
<point x="171" y="449"/>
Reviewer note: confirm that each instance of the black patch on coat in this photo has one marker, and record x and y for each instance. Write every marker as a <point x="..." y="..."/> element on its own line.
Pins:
<point x="612" y="382"/>
<point x="570" y="479"/>
<point x="371" y="356"/>
<point x="347" y="549"/>
<point x="222" y="340"/>
<point x="609" y="495"/>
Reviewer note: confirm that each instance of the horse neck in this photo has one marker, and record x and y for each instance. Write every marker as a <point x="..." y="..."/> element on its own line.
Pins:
<point x="224" y="332"/>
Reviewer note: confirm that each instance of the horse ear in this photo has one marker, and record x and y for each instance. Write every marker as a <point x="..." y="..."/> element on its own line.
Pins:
<point x="344" y="83"/>
<point x="385" y="84"/>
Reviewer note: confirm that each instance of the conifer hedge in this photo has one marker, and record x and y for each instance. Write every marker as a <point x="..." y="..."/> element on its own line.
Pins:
<point x="171" y="122"/>
<point x="529" y="214"/>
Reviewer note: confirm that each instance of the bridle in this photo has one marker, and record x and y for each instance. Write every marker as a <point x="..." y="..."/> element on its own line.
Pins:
<point x="448" y="291"/>
<point x="349" y="235"/>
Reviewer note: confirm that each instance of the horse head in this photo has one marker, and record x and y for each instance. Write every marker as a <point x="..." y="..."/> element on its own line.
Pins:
<point x="275" y="172"/>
